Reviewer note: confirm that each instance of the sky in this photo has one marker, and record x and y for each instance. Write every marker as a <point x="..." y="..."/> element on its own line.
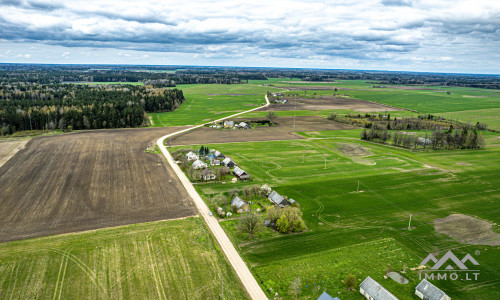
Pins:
<point x="459" y="36"/>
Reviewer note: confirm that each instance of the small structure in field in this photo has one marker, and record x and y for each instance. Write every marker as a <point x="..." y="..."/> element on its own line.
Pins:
<point x="277" y="199"/>
<point x="198" y="164"/>
<point x="372" y="290"/>
<point x="240" y="173"/>
<point x="228" y="124"/>
<point x="207" y="175"/>
<point x="281" y="101"/>
<point x="227" y="162"/>
<point x="239" y="205"/>
<point x="326" y="296"/>
<point x="292" y="202"/>
<point x="426" y="290"/>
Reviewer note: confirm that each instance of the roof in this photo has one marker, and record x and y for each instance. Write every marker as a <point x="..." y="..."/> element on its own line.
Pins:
<point x="226" y="160"/>
<point x="238" y="203"/>
<point x="275" y="197"/>
<point x="190" y="153"/>
<point x="243" y="124"/>
<point x="207" y="172"/>
<point x="430" y="291"/>
<point x="325" y="296"/>
<point x="199" y="163"/>
<point x="228" y="123"/>
<point x="217" y="153"/>
<point x="238" y="171"/>
<point x="375" y="290"/>
<point x="291" y="201"/>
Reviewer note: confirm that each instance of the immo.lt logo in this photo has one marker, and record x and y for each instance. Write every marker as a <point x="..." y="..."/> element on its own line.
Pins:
<point x="449" y="267"/>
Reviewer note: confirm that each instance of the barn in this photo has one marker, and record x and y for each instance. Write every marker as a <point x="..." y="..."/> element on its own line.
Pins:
<point x="240" y="173"/>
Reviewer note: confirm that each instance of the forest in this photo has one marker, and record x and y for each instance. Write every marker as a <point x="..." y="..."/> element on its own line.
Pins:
<point x="67" y="106"/>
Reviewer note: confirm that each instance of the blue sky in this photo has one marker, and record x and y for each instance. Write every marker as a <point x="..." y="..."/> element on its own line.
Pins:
<point x="412" y="35"/>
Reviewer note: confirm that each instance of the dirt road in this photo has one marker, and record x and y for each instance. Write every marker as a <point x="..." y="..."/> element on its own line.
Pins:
<point x="252" y="287"/>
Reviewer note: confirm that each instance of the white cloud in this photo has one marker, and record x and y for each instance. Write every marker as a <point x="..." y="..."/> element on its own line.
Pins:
<point x="370" y="34"/>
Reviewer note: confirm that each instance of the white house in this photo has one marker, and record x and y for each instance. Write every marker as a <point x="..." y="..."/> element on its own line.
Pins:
<point x="198" y="164"/>
<point x="191" y="156"/>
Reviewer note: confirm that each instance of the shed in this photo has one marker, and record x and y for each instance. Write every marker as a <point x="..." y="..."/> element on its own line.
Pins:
<point x="240" y="173"/>
<point x="218" y="155"/>
<point x="228" y="162"/>
<point x="292" y="202"/>
<point x="372" y="290"/>
<point x="198" y="164"/>
<point x="228" y="124"/>
<point x="428" y="291"/>
<point x="239" y="205"/>
<point x="243" y="125"/>
<point x="215" y="162"/>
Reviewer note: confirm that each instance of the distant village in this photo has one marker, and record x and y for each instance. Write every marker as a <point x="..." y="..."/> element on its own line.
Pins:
<point x="230" y="124"/>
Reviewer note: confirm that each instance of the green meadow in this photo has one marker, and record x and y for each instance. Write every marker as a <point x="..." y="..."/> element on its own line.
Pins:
<point x="175" y="259"/>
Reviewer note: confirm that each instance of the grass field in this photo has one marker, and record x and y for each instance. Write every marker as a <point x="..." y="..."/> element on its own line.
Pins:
<point x="488" y="116"/>
<point x="205" y="102"/>
<point x="362" y="232"/>
<point x="175" y="259"/>
<point x="110" y="82"/>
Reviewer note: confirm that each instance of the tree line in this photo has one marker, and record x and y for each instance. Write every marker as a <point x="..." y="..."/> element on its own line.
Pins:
<point x="59" y="106"/>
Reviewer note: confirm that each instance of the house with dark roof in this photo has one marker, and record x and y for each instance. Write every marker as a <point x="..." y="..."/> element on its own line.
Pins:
<point x="277" y="199"/>
<point x="240" y="173"/>
<point x="325" y="296"/>
<point x="218" y="155"/>
<point x="428" y="291"/>
<point x="372" y="290"/>
<point x="228" y="162"/>
<point x="239" y="205"/>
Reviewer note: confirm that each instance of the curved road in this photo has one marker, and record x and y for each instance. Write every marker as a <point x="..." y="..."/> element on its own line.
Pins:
<point x="252" y="287"/>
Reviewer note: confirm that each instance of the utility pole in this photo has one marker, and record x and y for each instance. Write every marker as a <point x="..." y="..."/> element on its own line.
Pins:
<point x="409" y="224"/>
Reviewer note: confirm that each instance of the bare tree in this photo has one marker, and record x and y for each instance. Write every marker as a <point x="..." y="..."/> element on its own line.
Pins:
<point x="249" y="223"/>
<point x="271" y="116"/>
<point x="295" y="286"/>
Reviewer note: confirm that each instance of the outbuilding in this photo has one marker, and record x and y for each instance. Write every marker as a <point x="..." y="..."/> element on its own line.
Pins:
<point x="239" y="205"/>
<point x="240" y="173"/>
<point x="227" y="162"/>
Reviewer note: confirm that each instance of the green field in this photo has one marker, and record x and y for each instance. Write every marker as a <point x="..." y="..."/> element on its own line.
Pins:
<point x="175" y="259"/>
<point x="347" y="228"/>
<point x="205" y="102"/>
<point x="488" y="116"/>
<point x="111" y="82"/>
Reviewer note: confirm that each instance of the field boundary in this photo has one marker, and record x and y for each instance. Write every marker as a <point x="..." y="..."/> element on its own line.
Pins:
<point x="247" y="279"/>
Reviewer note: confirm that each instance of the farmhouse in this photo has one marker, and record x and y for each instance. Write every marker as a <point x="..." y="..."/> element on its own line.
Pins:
<point x="207" y="174"/>
<point x="326" y="296"/>
<point x="277" y="199"/>
<point x="227" y="162"/>
<point x="198" y="164"/>
<point x="372" y="290"/>
<point x="428" y="291"/>
<point x="241" y="174"/>
<point x="191" y="156"/>
<point x="239" y="205"/>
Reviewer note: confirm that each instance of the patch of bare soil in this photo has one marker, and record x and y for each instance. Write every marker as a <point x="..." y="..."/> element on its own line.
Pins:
<point x="330" y="102"/>
<point x="88" y="180"/>
<point x="284" y="130"/>
<point x="9" y="148"/>
<point x="468" y="230"/>
<point x="409" y="87"/>
<point x="354" y="150"/>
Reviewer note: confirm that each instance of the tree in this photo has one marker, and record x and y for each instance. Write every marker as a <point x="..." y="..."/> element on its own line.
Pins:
<point x="265" y="190"/>
<point x="350" y="282"/>
<point x="271" y="116"/>
<point x="249" y="223"/>
<point x="282" y="225"/>
<point x="233" y="193"/>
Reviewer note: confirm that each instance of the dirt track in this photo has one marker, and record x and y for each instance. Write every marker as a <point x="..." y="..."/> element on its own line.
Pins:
<point x="329" y="102"/>
<point x="88" y="180"/>
<point x="282" y="131"/>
